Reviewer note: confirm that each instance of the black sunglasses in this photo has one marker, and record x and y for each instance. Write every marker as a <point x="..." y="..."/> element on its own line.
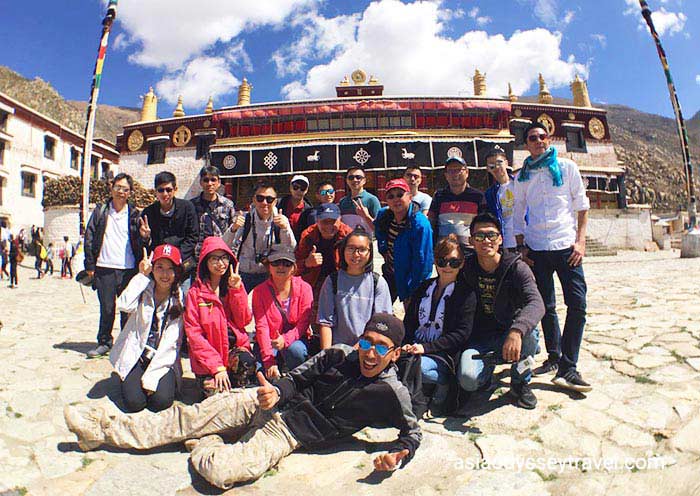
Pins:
<point x="263" y="198"/>
<point x="481" y="236"/>
<point x="165" y="190"/>
<point x="282" y="262"/>
<point x="537" y="137"/>
<point x="355" y="176"/>
<point x="297" y="187"/>
<point x="452" y="262"/>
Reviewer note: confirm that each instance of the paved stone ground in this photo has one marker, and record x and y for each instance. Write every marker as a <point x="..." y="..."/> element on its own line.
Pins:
<point x="641" y="352"/>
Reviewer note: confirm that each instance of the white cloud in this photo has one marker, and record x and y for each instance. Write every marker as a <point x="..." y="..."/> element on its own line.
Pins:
<point x="600" y="38"/>
<point x="202" y="77"/>
<point x="665" y="22"/>
<point x="547" y="12"/>
<point x="697" y="79"/>
<point x="480" y="20"/>
<point x="405" y="47"/>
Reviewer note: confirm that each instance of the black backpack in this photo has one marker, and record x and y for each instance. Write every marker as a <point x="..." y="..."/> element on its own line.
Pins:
<point x="410" y="376"/>
<point x="247" y="225"/>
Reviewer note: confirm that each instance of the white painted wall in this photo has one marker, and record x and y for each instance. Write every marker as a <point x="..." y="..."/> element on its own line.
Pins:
<point x="623" y="229"/>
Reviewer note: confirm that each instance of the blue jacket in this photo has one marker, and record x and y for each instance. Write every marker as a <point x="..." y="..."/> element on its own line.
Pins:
<point x="413" y="248"/>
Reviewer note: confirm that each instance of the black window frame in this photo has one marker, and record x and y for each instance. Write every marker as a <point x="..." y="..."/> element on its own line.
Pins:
<point x="24" y="175"/>
<point x="156" y="152"/>
<point x="517" y="129"/>
<point x="3" y="147"/>
<point x="74" y="159"/>
<point x="50" y="151"/>
<point x="204" y="143"/>
<point x="4" y="119"/>
<point x="580" y="145"/>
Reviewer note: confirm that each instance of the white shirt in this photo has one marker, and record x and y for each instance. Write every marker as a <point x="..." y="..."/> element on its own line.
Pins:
<point x="507" y="200"/>
<point x="424" y="200"/>
<point x="551" y="210"/>
<point x="115" y="252"/>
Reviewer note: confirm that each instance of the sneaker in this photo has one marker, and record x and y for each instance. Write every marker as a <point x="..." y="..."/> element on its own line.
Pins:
<point x="571" y="379"/>
<point x="101" y="350"/>
<point x="86" y="424"/>
<point x="549" y="365"/>
<point x="524" y="397"/>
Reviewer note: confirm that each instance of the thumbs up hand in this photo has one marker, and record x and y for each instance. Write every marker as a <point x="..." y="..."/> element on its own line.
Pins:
<point x="267" y="394"/>
<point x="314" y="259"/>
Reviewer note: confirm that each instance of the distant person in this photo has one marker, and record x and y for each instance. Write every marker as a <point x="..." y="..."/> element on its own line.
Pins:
<point x="49" y="259"/>
<point x="39" y="250"/>
<point x="215" y="212"/>
<point x="414" y="176"/>
<point x="500" y="199"/>
<point x="66" y="253"/>
<point x="295" y="204"/>
<point x="358" y="207"/>
<point x="325" y="193"/>
<point x="4" y="249"/>
<point x="112" y="247"/>
<point x="15" y="255"/>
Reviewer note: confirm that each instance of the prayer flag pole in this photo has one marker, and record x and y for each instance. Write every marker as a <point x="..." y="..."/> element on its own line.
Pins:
<point x="91" y="110"/>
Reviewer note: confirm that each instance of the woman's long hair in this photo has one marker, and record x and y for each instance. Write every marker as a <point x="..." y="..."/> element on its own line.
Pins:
<point x="205" y="275"/>
<point x="176" y="308"/>
<point x="358" y="231"/>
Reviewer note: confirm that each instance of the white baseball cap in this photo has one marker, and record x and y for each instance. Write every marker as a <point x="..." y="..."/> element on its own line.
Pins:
<point x="301" y="178"/>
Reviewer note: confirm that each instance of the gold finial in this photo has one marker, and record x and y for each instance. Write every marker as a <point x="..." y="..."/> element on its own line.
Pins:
<point x="179" y="111"/>
<point x="579" y="89"/>
<point x="210" y="106"/>
<point x="149" y="109"/>
<point x="373" y="80"/>
<point x="544" y="96"/>
<point x="512" y="96"/>
<point x="244" y="92"/>
<point x="345" y="81"/>
<point x="479" y="83"/>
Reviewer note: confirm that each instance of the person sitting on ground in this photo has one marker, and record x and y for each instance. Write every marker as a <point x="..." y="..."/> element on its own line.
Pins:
<point x="216" y="313"/>
<point x="325" y="193"/>
<point x="438" y="322"/>
<point x="362" y="381"/>
<point x="350" y="296"/>
<point x="508" y="309"/>
<point x="145" y="354"/>
<point x="252" y="236"/>
<point x="282" y="310"/>
<point x="294" y="205"/>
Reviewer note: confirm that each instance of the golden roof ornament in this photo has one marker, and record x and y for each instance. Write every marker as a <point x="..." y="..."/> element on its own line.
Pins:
<point x="544" y="95"/>
<point x="149" y="109"/>
<point x="179" y="110"/>
<point x="512" y="96"/>
<point x="373" y="81"/>
<point x="358" y="76"/>
<point x="345" y="81"/>
<point x="210" y="106"/>
<point x="579" y="88"/>
<point x="244" y="92"/>
<point x="479" y="83"/>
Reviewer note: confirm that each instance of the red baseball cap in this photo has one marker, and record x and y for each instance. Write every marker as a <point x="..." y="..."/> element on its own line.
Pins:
<point x="397" y="183"/>
<point x="167" y="251"/>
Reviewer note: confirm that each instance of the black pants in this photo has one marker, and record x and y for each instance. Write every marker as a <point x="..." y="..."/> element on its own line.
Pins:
<point x="136" y="399"/>
<point x="390" y="278"/>
<point x="109" y="283"/>
<point x="13" y="271"/>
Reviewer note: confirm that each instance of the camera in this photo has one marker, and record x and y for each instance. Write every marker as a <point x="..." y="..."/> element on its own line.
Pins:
<point x="260" y="257"/>
<point x="148" y="353"/>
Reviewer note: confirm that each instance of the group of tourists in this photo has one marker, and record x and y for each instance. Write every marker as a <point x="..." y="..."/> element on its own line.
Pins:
<point x="191" y="276"/>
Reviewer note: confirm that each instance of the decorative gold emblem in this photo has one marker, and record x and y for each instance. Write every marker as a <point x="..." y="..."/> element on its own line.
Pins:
<point x="596" y="128"/>
<point x="572" y="116"/>
<point x="206" y="124"/>
<point x="358" y="76"/>
<point x="159" y="129"/>
<point x="135" y="140"/>
<point x="182" y="136"/>
<point x="548" y="123"/>
<point x="518" y="113"/>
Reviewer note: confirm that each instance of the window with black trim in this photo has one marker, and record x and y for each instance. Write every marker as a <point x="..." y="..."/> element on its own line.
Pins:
<point x="49" y="147"/>
<point x="156" y="152"/>
<point x="4" y="118"/>
<point x="575" y="142"/>
<point x="2" y="187"/>
<point x="28" y="184"/>
<point x="2" y="151"/>
<point x="204" y="142"/>
<point x="518" y="130"/>
<point x="74" y="159"/>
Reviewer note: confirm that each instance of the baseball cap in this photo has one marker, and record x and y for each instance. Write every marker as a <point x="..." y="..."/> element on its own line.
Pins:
<point x="281" y="253"/>
<point x="299" y="178"/>
<point x="167" y="251"/>
<point x="455" y="158"/>
<point x="387" y="325"/>
<point x="328" y="211"/>
<point x="495" y="150"/>
<point x="397" y="183"/>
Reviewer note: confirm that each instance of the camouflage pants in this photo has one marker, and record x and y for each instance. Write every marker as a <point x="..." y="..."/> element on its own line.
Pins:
<point x="263" y="437"/>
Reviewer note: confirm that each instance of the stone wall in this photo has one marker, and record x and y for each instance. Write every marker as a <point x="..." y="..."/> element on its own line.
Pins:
<point x="180" y="162"/>
<point x="623" y="229"/>
<point x="63" y="221"/>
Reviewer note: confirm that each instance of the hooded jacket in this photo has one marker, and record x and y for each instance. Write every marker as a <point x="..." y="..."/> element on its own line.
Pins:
<point x="208" y="317"/>
<point x="517" y="304"/>
<point x="312" y="237"/>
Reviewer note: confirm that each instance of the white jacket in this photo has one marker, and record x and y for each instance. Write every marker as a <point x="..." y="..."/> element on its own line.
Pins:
<point x="138" y="301"/>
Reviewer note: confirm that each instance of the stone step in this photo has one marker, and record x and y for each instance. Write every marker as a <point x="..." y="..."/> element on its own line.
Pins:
<point x="595" y="248"/>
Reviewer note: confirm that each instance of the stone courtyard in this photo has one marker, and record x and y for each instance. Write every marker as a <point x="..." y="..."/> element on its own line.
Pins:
<point x="637" y="432"/>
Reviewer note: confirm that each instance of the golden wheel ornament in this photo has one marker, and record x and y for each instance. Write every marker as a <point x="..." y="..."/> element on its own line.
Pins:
<point x="548" y="122"/>
<point x="135" y="140"/>
<point x="596" y="128"/>
<point x="182" y="136"/>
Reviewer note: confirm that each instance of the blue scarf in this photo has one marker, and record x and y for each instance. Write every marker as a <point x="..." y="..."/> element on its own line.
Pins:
<point x="547" y="159"/>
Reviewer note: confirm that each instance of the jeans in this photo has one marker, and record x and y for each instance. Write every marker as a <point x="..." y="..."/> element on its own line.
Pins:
<point x="562" y="346"/>
<point x="434" y="371"/>
<point x="66" y="268"/>
<point x="109" y="283"/>
<point x="473" y="374"/>
<point x="295" y="354"/>
<point x="136" y="399"/>
<point x="250" y="280"/>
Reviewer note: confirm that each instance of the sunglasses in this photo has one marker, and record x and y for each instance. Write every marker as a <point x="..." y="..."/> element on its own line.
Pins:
<point x="395" y="195"/>
<point x="222" y="259"/>
<point x="210" y="179"/>
<point x="121" y="189"/>
<point x="297" y="187"/>
<point x="481" y="236"/>
<point x="498" y="163"/>
<point x="537" y="137"/>
<point x="282" y="262"/>
<point x="355" y="177"/>
<point x="326" y="192"/>
<point x="381" y="349"/>
<point x="452" y="262"/>
<point x="165" y="190"/>
<point x="263" y="198"/>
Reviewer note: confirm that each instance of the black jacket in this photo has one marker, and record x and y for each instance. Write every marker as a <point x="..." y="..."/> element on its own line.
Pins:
<point x="518" y="304"/>
<point x="95" y="230"/>
<point x="284" y="206"/>
<point x="328" y="398"/>
<point x="180" y="230"/>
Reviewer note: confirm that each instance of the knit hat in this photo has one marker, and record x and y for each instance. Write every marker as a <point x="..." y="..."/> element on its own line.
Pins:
<point x="387" y="325"/>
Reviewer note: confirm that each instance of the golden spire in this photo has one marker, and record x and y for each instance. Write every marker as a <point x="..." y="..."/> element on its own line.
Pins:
<point x="345" y="81"/>
<point x="579" y="89"/>
<point x="244" y="92"/>
<point x="544" y="96"/>
<point x="512" y="96"/>
<point x="179" y="111"/>
<point x="373" y="80"/>
<point x="479" y="83"/>
<point x="210" y="106"/>
<point x="149" y="110"/>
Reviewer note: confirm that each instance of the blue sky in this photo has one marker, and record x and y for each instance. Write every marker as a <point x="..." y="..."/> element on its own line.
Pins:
<point x="296" y="49"/>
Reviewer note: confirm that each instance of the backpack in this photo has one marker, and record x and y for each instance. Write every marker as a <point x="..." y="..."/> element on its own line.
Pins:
<point x="410" y="375"/>
<point x="375" y="279"/>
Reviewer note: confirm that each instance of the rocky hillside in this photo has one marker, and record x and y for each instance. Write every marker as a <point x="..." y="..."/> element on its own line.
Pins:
<point x="42" y="97"/>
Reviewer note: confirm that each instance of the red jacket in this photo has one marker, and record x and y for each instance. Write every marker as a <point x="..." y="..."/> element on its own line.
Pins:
<point x="312" y="237"/>
<point x="207" y="318"/>
<point x="268" y="320"/>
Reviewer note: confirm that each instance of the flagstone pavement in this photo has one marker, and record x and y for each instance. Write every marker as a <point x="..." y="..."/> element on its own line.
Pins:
<point x="637" y="432"/>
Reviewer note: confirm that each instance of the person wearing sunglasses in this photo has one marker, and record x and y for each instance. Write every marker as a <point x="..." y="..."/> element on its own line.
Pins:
<point x="215" y="212"/>
<point x="358" y="207"/>
<point x="438" y="322"/>
<point x="332" y="396"/>
<point x="112" y="250"/>
<point x="405" y="240"/>
<point x="550" y="189"/>
<point x="171" y="220"/>
<point x="325" y="193"/>
<point x="263" y="228"/>
<point x="509" y="306"/>
<point x="500" y="199"/>
<point x="282" y="310"/>
<point x="350" y="296"/>
<point x="414" y="176"/>
<point x="295" y="204"/>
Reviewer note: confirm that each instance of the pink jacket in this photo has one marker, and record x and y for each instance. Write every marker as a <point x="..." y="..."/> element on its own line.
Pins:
<point x="268" y="320"/>
<point x="207" y="318"/>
